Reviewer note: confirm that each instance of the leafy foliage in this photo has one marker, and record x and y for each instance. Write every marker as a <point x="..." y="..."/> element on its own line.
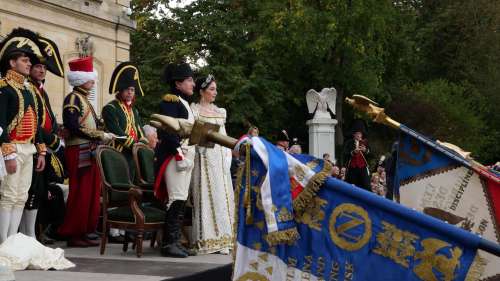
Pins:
<point x="433" y="63"/>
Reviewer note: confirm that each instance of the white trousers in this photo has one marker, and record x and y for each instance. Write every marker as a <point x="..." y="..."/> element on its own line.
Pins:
<point x="14" y="187"/>
<point x="178" y="182"/>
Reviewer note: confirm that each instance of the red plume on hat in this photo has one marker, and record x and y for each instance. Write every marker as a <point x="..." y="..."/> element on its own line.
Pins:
<point x="81" y="71"/>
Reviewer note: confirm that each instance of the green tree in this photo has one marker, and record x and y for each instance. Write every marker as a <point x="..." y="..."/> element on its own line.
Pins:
<point x="416" y="57"/>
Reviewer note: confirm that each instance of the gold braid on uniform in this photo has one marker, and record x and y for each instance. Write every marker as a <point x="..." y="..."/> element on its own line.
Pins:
<point x="171" y="98"/>
<point x="57" y="165"/>
<point x="8" y="148"/>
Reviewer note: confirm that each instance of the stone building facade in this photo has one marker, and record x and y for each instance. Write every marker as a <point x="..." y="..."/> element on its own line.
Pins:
<point x="100" y="27"/>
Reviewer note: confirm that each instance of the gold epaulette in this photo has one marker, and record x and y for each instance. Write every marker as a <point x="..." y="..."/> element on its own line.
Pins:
<point x="171" y="98"/>
<point x="3" y="83"/>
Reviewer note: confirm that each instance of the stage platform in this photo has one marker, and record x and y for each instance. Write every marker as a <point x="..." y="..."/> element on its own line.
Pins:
<point x="115" y="265"/>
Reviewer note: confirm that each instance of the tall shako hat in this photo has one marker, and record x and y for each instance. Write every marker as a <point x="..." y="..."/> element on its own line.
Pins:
<point x="124" y="76"/>
<point x="20" y="40"/>
<point x="177" y="71"/>
<point x="53" y="58"/>
<point x="81" y="71"/>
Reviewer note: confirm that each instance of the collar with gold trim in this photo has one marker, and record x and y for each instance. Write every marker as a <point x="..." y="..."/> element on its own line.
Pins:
<point x="15" y="79"/>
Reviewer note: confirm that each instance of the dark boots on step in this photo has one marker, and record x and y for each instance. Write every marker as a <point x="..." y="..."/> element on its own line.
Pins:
<point x="171" y="246"/>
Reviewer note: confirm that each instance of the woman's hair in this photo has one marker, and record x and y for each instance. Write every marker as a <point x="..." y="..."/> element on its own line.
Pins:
<point x="203" y="82"/>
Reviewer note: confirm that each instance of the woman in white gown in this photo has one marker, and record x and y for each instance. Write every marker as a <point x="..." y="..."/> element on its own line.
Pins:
<point x="3" y="172"/>
<point x="211" y="186"/>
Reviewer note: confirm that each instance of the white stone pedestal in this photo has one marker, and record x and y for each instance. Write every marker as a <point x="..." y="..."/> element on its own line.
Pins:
<point x="322" y="137"/>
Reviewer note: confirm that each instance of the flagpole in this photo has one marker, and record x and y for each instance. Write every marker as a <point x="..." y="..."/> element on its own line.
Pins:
<point x="199" y="133"/>
<point x="371" y="108"/>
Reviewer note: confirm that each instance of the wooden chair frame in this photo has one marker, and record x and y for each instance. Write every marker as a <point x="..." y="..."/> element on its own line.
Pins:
<point x="134" y="202"/>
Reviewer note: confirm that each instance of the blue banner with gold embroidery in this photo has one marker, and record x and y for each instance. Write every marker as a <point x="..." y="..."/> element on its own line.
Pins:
<point x="345" y="233"/>
<point x="434" y="179"/>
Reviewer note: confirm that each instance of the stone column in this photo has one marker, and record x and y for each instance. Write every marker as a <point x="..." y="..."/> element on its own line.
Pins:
<point x="322" y="137"/>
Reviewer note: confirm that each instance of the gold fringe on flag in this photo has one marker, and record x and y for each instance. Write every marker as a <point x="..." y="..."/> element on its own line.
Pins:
<point x="311" y="189"/>
<point x="288" y="236"/>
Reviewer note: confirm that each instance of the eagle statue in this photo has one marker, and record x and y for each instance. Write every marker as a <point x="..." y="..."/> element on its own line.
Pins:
<point x="321" y="102"/>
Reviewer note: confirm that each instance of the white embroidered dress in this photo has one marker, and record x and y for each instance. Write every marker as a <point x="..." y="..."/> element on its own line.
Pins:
<point x="212" y="190"/>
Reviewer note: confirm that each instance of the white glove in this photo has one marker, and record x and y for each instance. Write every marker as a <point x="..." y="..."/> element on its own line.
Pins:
<point x="183" y="165"/>
<point x="181" y="162"/>
<point x="107" y="137"/>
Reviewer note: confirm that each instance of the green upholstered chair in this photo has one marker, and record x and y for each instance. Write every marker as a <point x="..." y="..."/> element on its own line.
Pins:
<point x="144" y="165"/>
<point x="122" y="201"/>
<point x="145" y="176"/>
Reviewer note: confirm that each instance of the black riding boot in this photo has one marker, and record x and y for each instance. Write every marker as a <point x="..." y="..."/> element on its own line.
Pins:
<point x="190" y="252"/>
<point x="170" y="244"/>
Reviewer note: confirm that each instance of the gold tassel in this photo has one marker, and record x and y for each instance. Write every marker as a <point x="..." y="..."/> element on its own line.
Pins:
<point x="248" y="187"/>
<point x="307" y="195"/>
<point x="237" y="192"/>
<point x="54" y="161"/>
<point x="288" y="236"/>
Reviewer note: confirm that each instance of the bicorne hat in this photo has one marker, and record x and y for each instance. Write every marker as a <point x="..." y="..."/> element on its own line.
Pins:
<point x="358" y="125"/>
<point x="124" y="76"/>
<point x="283" y="136"/>
<point x="174" y="72"/>
<point x="52" y="57"/>
<point x="81" y="71"/>
<point x="20" y="40"/>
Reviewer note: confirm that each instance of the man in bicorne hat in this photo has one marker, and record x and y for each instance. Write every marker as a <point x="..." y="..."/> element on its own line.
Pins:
<point x="174" y="159"/>
<point x="82" y="125"/>
<point x="283" y="141"/>
<point x="120" y="116"/>
<point x="295" y="148"/>
<point x="21" y="138"/>
<point x="54" y="171"/>
<point x="355" y="153"/>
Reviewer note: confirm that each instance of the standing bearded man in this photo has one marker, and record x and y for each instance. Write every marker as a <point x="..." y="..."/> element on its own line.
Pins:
<point x="21" y="138"/>
<point x="82" y="125"/>
<point x="174" y="159"/>
<point x="120" y="116"/>
<point x="48" y="126"/>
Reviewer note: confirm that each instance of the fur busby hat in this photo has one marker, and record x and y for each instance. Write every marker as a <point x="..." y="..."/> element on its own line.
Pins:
<point x="81" y="71"/>
<point x="20" y="40"/>
<point x="283" y="136"/>
<point x="359" y="125"/>
<point x="52" y="57"/>
<point x="125" y="75"/>
<point x="177" y="71"/>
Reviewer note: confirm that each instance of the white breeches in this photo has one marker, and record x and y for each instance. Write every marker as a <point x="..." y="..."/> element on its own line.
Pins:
<point x="178" y="182"/>
<point x="14" y="187"/>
